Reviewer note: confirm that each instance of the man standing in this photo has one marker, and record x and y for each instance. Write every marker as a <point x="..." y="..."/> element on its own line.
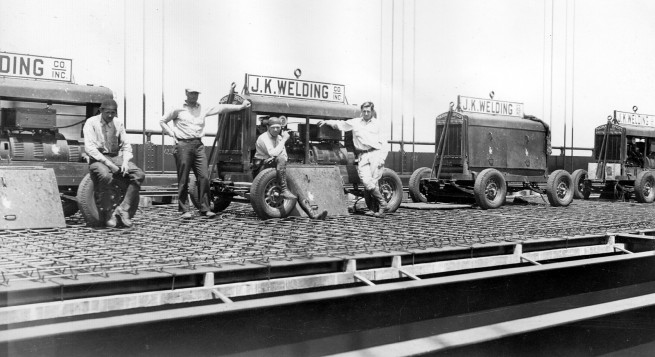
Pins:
<point x="187" y="130"/>
<point x="370" y="148"/>
<point x="271" y="152"/>
<point x="105" y="141"/>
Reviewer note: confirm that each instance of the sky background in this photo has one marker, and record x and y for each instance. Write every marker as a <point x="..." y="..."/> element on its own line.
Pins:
<point x="571" y="62"/>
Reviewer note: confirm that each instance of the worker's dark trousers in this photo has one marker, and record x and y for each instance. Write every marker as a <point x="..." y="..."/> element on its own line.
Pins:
<point x="190" y="155"/>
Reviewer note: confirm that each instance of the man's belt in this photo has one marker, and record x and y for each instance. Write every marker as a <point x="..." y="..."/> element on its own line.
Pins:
<point x="360" y="152"/>
<point x="187" y="140"/>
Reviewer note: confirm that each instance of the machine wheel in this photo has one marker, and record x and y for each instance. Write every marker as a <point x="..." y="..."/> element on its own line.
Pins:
<point x="391" y="188"/>
<point x="415" y="184"/>
<point x="578" y="177"/>
<point x="86" y="202"/>
<point x="559" y="188"/>
<point x="69" y="206"/>
<point x="645" y="187"/>
<point x="490" y="189"/>
<point x="586" y="189"/>
<point x="265" y="196"/>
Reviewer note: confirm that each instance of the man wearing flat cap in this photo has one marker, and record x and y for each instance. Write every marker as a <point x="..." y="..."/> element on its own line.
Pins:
<point x="271" y="152"/>
<point x="105" y="141"/>
<point x="371" y="150"/>
<point x="187" y="130"/>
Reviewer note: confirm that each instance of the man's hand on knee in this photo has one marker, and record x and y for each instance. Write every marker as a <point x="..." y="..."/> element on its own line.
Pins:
<point x="112" y="167"/>
<point x="125" y="168"/>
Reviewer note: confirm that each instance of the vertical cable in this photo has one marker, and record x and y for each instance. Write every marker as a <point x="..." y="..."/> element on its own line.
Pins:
<point x="413" y="85"/>
<point x="572" y="83"/>
<point x="402" y="92"/>
<point x="163" y="71"/>
<point x="552" y="41"/>
<point x="143" y="84"/>
<point x="566" y="72"/>
<point x="393" y="30"/>
<point x="125" y="63"/>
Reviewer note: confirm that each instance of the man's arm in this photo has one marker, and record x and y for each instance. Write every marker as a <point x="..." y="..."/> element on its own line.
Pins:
<point x="343" y="125"/>
<point x="277" y="151"/>
<point x="163" y="122"/>
<point x="228" y="108"/>
<point x="91" y="147"/>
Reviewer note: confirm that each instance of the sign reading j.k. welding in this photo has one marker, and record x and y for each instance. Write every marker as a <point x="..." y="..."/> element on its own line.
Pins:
<point x="293" y="88"/>
<point x="489" y="106"/>
<point x="37" y="67"/>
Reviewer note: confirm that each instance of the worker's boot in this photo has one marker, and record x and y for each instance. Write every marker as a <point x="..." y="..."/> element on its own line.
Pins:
<point x="304" y="204"/>
<point x="382" y="202"/>
<point x="122" y="211"/>
<point x="282" y="181"/>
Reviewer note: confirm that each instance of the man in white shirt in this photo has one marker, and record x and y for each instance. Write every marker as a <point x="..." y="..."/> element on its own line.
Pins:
<point x="370" y="147"/>
<point x="105" y="141"/>
<point x="187" y="130"/>
<point x="271" y="152"/>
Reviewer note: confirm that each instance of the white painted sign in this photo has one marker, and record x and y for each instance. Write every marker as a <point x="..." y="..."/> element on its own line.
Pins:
<point x="294" y="88"/>
<point x="489" y="106"/>
<point x="37" y="67"/>
<point x="634" y="118"/>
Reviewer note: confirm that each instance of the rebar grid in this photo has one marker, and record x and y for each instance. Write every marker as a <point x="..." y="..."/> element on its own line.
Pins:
<point x="160" y="240"/>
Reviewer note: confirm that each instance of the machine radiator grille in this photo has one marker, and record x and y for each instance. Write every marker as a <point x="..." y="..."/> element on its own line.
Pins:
<point x="613" y="147"/>
<point x="454" y="142"/>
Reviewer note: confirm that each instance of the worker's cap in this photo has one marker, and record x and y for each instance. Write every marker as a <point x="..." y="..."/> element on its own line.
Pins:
<point x="192" y="89"/>
<point x="277" y="121"/>
<point x="109" y="103"/>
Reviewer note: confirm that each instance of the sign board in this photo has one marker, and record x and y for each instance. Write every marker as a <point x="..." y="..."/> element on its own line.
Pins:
<point x="634" y="118"/>
<point x="36" y="67"/>
<point x="294" y="88"/>
<point x="489" y="106"/>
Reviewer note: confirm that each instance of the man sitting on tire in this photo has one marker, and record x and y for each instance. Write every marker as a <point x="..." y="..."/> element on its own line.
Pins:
<point x="105" y="141"/>
<point x="370" y="148"/>
<point x="270" y="152"/>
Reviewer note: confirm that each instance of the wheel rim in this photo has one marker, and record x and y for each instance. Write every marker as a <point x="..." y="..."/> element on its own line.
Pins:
<point x="491" y="190"/>
<point x="387" y="189"/>
<point x="581" y="184"/>
<point x="648" y="188"/>
<point x="273" y="196"/>
<point x="562" y="189"/>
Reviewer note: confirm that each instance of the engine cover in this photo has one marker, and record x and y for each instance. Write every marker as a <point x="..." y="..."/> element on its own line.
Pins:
<point x="331" y="153"/>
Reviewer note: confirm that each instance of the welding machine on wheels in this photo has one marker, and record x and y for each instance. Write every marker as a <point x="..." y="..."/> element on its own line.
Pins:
<point x="485" y="149"/>
<point x="624" y="153"/>
<point x="41" y="124"/>
<point x="321" y="160"/>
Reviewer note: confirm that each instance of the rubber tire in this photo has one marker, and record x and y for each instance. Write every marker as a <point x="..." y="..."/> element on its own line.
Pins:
<point x="391" y="188"/>
<point x="69" y="206"/>
<point x="264" y="186"/>
<point x="578" y="178"/>
<point x="86" y="202"/>
<point x="586" y="191"/>
<point x="482" y="182"/>
<point x="415" y="184"/>
<point x="645" y="182"/>
<point x="557" y="180"/>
